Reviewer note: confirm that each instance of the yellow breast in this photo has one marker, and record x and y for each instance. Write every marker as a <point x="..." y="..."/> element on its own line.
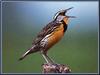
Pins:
<point x="55" y="36"/>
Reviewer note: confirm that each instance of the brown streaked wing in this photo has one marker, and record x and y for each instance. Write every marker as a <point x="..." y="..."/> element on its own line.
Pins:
<point x="45" y="31"/>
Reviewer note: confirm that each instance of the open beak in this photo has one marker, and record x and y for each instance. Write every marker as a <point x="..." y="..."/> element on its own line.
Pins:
<point x="68" y="10"/>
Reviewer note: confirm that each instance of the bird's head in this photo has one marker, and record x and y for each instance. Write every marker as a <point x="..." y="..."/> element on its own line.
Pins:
<point x="61" y="16"/>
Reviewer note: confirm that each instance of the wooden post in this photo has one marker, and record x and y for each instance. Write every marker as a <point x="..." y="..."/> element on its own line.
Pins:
<point x="55" y="68"/>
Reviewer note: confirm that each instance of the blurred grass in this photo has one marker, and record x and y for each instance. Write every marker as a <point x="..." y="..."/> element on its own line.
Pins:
<point x="79" y="51"/>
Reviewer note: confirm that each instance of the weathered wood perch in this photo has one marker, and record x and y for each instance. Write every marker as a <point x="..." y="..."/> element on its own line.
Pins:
<point x="55" y="68"/>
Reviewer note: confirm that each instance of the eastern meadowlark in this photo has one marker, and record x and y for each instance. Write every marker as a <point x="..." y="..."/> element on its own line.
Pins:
<point x="50" y="35"/>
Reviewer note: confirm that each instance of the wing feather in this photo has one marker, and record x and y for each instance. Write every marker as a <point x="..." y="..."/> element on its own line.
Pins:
<point x="45" y="31"/>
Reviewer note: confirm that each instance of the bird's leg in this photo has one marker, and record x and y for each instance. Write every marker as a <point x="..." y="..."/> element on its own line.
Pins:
<point x="51" y="60"/>
<point x="45" y="58"/>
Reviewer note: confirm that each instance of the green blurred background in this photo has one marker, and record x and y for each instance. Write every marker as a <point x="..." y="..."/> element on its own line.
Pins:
<point x="23" y="20"/>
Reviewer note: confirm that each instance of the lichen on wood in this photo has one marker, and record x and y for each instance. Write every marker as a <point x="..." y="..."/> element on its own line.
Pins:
<point x="55" y="68"/>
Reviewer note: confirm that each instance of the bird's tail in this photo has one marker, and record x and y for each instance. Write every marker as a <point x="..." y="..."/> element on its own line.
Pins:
<point x="29" y="51"/>
<point x="24" y="55"/>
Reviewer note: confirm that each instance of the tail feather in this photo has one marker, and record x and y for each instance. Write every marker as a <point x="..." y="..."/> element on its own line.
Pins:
<point x="24" y="55"/>
<point x="29" y="51"/>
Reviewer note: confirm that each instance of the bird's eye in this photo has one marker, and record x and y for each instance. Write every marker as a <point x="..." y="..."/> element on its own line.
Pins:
<point x="60" y="18"/>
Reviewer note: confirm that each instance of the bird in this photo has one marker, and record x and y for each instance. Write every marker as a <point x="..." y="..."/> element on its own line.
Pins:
<point x="50" y="35"/>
